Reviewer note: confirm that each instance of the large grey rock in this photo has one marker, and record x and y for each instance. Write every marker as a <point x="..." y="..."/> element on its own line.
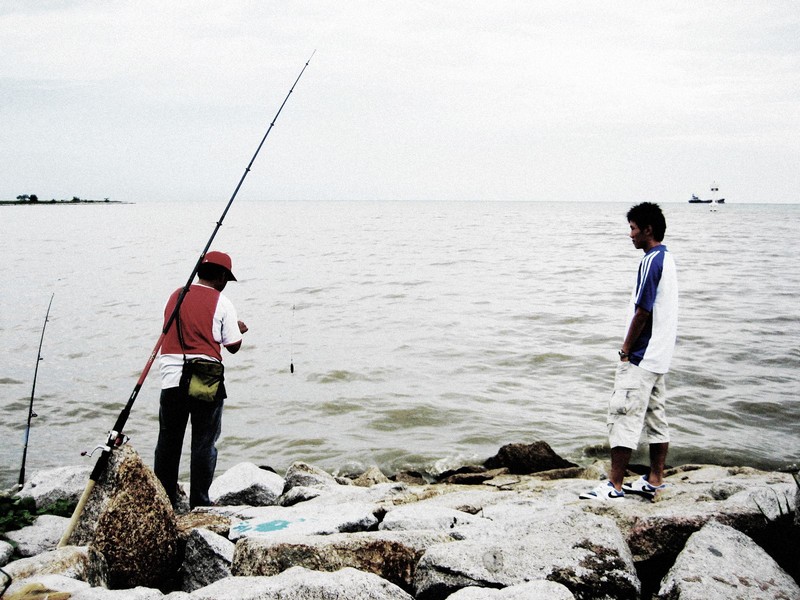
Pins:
<point x="660" y="529"/>
<point x="130" y="526"/>
<point x="208" y="558"/>
<point x="390" y="555"/>
<point x="6" y="552"/>
<point x="306" y="519"/>
<point x="721" y="563"/>
<point x="298" y="583"/>
<point x="534" y="590"/>
<point x="370" y="477"/>
<point x="41" y="536"/>
<point x="71" y="562"/>
<point x="46" y="587"/>
<point x="305" y="475"/>
<point x="414" y="516"/>
<point x="527" y="458"/>
<point x="246" y="483"/>
<point x="49" y="486"/>
<point x="584" y="552"/>
<point x="99" y="593"/>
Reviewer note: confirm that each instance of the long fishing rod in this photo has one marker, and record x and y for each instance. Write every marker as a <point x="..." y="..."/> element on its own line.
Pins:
<point x="31" y="412"/>
<point x="115" y="436"/>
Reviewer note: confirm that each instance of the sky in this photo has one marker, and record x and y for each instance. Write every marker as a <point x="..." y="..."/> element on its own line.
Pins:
<point x="142" y="100"/>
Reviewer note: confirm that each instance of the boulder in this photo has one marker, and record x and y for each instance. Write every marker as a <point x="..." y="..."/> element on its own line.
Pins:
<point x="70" y="561"/>
<point x="47" y="587"/>
<point x="49" y="486"/>
<point x="41" y="536"/>
<point x="720" y="563"/>
<point x="129" y="524"/>
<point x="298" y="583"/>
<point x="6" y="552"/>
<point x="523" y="459"/>
<point x="305" y="475"/>
<point x="297" y="494"/>
<point x="533" y="590"/>
<point x="207" y="559"/>
<point x="248" y="484"/>
<point x="390" y="555"/>
<point x="306" y="519"/>
<point x="584" y="552"/>
<point x="202" y="518"/>
<point x="370" y="477"/>
<point x="416" y="516"/>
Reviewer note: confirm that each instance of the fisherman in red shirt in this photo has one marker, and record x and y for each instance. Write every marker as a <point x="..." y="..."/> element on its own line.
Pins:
<point x="206" y="323"/>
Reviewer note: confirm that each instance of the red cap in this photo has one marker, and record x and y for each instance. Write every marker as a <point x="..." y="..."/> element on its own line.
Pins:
<point x="221" y="259"/>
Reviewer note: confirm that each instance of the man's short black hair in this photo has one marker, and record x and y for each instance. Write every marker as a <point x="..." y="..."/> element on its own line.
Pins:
<point x="211" y="271"/>
<point x="648" y="213"/>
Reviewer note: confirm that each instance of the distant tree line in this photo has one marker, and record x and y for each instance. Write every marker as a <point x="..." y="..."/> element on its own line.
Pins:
<point x="35" y="198"/>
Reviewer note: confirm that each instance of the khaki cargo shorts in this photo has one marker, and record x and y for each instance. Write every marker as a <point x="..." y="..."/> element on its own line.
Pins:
<point x="638" y="403"/>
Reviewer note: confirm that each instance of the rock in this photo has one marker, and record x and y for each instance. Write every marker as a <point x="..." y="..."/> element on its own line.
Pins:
<point x="303" y="474"/>
<point x="129" y="522"/>
<point x="534" y="590"/>
<point x="246" y="484"/>
<point x="297" y="494"/>
<point x="43" y="535"/>
<point x="307" y="519"/>
<point x="411" y="477"/>
<point x="6" y="552"/>
<point x="390" y="555"/>
<point x="370" y="477"/>
<point x="298" y="583"/>
<point x="413" y="516"/>
<point x="70" y="561"/>
<point x="522" y="459"/>
<point x="54" y="485"/>
<point x="46" y="587"/>
<point x="721" y="563"/>
<point x="200" y="518"/>
<point x="472" y="476"/>
<point x="207" y="559"/>
<point x="584" y="552"/>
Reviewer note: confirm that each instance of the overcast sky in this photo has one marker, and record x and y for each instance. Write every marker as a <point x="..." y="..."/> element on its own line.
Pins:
<point x="141" y="100"/>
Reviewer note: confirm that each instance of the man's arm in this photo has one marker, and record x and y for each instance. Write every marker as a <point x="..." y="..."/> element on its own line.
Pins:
<point x="234" y="348"/>
<point x="638" y="324"/>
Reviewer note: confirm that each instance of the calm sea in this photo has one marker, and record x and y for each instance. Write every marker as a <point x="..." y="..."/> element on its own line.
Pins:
<point x="423" y="335"/>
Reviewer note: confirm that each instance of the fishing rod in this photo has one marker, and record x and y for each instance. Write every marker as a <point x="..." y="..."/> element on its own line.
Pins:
<point x="115" y="436"/>
<point x="31" y="413"/>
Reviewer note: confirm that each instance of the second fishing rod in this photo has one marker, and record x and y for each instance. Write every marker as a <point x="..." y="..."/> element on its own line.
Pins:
<point x="115" y="436"/>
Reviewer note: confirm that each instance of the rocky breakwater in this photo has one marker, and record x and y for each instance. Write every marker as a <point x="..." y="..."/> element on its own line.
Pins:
<point x="511" y="529"/>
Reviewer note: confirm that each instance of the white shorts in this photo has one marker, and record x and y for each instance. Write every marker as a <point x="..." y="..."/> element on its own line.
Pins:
<point x="638" y="403"/>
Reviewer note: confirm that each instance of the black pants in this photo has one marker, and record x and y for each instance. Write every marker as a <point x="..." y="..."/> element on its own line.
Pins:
<point x="173" y="416"/>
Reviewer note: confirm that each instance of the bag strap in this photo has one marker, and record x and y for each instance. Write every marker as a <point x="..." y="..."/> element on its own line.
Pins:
<point x="180" y="334"/>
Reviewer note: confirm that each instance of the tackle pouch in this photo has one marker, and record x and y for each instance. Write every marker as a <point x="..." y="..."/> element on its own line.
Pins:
<point x="202" y="379"/>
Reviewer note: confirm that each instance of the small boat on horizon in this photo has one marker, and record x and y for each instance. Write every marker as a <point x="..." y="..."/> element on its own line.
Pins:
<point x="714" y="192"/>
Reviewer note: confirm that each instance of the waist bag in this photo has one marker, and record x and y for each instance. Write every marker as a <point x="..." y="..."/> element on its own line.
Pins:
<point x="202" y="379"/>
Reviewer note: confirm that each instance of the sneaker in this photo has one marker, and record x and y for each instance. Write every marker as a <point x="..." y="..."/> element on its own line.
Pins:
<point x="642" y="487"/>
<point x="604" y="492"/>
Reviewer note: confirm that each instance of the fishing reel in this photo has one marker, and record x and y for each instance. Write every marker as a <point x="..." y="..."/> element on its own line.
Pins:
<point x="114" y="438"/>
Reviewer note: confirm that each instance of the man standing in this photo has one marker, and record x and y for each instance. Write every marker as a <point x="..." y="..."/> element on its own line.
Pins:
<point x="639" y="397"/>
<point x="206" y="322"/>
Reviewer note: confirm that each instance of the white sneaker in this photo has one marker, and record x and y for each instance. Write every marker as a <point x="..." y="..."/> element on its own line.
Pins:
<point x="604" y="492"/>
<point x="642" y="487"/>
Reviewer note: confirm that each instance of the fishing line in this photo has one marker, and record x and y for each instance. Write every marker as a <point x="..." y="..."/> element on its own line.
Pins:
<point x="31" y="412"/>
<point x="291" y="344"/>
<point x="115" y="437"/>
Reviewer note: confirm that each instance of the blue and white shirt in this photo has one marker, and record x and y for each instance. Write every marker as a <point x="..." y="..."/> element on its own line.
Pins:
<point x="656" y="291"/>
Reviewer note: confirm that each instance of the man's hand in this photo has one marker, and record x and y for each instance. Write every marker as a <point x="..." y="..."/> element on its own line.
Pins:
<point x="242" y="327"/>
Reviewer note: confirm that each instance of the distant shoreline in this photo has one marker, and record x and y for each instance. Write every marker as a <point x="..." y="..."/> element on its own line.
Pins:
<point x="51" y="202"/>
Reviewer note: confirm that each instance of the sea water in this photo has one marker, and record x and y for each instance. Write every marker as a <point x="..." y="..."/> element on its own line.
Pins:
<point x="423" y="335"/>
